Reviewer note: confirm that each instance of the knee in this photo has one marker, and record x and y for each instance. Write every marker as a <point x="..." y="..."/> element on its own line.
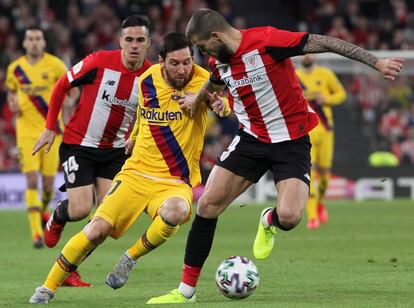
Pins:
<point x="210" y="205"/>
<point x="175" y="212"/>
<point x="79" y="209"/>
<point x="97" y="230"/>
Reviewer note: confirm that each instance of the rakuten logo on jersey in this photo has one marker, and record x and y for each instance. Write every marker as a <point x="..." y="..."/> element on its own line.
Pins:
<point x="161" y="116"/>
<point x="245" y="81"/>
<point x="116" y="101"/>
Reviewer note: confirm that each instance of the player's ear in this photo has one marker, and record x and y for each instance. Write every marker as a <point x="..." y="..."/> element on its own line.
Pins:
<point x="161" y="61"/>
<point x="215" y="36"/>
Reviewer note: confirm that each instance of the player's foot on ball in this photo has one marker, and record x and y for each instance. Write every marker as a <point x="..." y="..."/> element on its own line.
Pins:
<point x="120" y="274"/>
<point x="74" y="280"/>
<point x="42" y="295"/>
<point x="265" y="238"/>
<point x="173" y="297"/>
<point x="45" y="218"/>
<point x="53" y="232"/>
<point x="322" y="213"/>
<point x="313" y="224"/>
<point x="38" y="242"/>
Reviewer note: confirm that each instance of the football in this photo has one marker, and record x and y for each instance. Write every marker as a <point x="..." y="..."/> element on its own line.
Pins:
<point x="237" y="277"/>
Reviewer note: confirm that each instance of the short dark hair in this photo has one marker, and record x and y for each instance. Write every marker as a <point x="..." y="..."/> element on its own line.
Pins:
<point x="204" y="22"/>
<point x="136" y="21"/>
<point x="175" y="41"/>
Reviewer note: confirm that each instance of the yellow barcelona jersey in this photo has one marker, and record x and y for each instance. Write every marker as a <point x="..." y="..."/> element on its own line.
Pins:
<point x="33" y="84"/>
<point x="322" y="80"/>
<point x="169" y="142"/>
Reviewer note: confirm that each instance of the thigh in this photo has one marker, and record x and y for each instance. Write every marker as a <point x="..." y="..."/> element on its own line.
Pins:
<point x="50" y="161"/>
<point x="245" y="157"/>
<point x="126" y="200"/>
<point x="291" y="159"/>
<point x="27" y="161"/>
<point x="327" y="149"/>
<point x="102" y="186"/>
<point x="110" y="163"/>
<point x="163" y="191"/>
<point x="222" y="188"/>
<point x="78" y="165"/>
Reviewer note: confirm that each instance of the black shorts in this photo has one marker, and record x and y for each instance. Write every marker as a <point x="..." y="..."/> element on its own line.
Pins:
<point x="82" y="165"/>
<point x="250" y="158"/>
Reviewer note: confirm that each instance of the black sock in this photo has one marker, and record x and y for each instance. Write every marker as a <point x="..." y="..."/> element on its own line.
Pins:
<point x="276" y="222"/>
<point x="61" y="214"/>
<point x="199" y="241"/>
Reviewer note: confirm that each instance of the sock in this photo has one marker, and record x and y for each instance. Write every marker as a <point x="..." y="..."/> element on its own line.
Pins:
<point x="199" y="242"/>
<point x="68" y="261"/>
<point x="157" y="233"/>
<point x="33" y="213"/>
<point x="46" y="197"/>
<point x="189" y="280"/>
<point x="323" y="185"/>
<point x="267" y="218"/>
<point x="313" y="198"/>
<point x="61" y="214"/>
<point x="272" y="219"/>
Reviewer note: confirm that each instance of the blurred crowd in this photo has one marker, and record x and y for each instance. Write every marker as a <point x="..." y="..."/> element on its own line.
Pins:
<point x="75" y="28"/>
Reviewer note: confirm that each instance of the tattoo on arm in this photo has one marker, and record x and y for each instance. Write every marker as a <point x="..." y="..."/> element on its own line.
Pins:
<point x="321" y="43"/>
<point x="209" y="87"/>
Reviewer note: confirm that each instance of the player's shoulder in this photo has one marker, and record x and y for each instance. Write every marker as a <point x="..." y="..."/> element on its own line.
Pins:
<point x="201" y="72"/>
<point x="47" y="57"/>
<point x="323" y="70"/>
<point x="152" y="70"/>
<point x="105" y="55"/>
<point x="16" y="62"/>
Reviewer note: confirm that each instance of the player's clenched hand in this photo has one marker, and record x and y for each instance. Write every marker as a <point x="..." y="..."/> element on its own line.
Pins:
<point x="389" y="68"/>
<point x="216" y="103"/>
<point x="188" y="102"/>
<point x="46" y="138"/>
<point x="129" y="146"/>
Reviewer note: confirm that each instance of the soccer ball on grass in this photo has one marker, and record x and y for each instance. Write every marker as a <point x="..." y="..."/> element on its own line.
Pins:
<point x="237" y="277"/>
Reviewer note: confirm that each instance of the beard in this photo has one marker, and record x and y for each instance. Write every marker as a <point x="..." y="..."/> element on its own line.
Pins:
<point x="223" y="54"/>
<point x="178" y="84"/>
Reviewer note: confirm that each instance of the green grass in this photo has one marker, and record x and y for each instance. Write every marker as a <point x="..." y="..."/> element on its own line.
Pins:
<point x="364" y="257"/>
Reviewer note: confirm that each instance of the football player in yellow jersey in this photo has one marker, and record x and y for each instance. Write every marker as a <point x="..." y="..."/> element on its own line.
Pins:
<point x="29" y="81"/>
<point x="323" y="90"/>
<point x="158" y="177"/>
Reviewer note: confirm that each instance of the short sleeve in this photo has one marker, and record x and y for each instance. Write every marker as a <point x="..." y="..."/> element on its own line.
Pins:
<point x="11" y="80"/>
<point x="84" y="72"/>
<point x="282" y="44"/>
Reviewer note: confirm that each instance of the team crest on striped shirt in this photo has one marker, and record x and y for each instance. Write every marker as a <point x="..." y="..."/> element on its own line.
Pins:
<point x="252" y="60"/>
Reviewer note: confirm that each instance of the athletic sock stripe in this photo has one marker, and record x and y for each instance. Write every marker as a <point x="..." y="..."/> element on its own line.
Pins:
<point x="65" y="264"/>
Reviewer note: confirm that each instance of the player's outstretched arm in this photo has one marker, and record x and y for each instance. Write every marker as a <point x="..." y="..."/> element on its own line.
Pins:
<point x="46" y="139"/>
<point x="190" y="102"/>
<point x="389" y="68"/>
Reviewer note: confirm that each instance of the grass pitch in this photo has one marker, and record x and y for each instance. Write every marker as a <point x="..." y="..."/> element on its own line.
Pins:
<point x="364" y="257"/>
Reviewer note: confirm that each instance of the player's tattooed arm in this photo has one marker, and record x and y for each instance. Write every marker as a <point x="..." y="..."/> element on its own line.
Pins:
<point x="321" y="43"/>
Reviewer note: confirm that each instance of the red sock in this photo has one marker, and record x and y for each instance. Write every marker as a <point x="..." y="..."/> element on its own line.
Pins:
<point x="190" y="275"/>
<point x="269" y="217"/>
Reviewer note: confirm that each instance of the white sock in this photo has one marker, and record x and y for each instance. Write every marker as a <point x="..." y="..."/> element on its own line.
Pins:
<point x="186" y="290"/>
<point x="264" y="218"/>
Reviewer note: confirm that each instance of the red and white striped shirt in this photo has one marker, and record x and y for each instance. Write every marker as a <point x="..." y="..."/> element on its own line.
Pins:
<point x="265" y="93"/>
<point x="108" y="102"/>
